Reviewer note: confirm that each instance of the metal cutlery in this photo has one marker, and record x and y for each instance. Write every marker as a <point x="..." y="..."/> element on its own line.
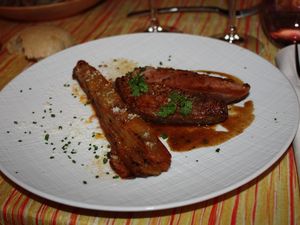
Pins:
<point x="212" y="9"/>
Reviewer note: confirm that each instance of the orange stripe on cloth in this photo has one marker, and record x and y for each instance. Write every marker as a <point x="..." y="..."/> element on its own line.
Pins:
<point x="73" y="219"/>
<point x="247" y="26"/>
<point x="168" y="16"/>
<point x="255" y="204"/>
<point x="291" y="186"/>
<point x="104" y="16"/>
<point x="257" y="47"/>
<point x="206" y="23"/>
<point x="136" y="24"/>
<point x="193" y="217"/>
<point x="128" y="221"/>
<point x="235" y="209"/>
<point x="179" y="216"/>
<point x="172" y="217"/>
<point x="54" y="217"/>
<point x="40" y="215"/>
<point x="213" y="215"/>
<point x="78" y="25"/>
<point x="14" y="208"/>
<point x="22" y="207"/>
<point x="6" y="205"/>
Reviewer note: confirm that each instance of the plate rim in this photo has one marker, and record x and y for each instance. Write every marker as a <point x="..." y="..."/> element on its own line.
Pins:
<point x="161" y="206"/>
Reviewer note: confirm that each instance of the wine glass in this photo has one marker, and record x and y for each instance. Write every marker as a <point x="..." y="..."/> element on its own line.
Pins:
<point x="281" y="22"/>
<point x="233" y="37"/>
<point x="154" y="25"/>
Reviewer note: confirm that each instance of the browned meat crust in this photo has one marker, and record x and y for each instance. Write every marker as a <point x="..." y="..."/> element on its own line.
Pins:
<point x="135" y="149"/>
<point x="205" y="109"/>
<point x="190" y="81"/>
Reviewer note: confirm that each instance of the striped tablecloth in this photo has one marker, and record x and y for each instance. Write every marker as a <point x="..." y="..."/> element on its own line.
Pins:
<point x="271" y="198"/>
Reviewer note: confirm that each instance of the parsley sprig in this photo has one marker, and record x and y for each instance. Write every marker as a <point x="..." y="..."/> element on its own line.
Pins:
<point x="179" y="101"/>
<point x="138" y="85"/>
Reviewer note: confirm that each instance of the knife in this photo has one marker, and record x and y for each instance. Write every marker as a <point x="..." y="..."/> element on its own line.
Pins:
<point x="212" y="9"/>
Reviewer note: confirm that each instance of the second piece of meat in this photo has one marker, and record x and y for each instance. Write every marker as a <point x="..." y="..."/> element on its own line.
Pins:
<point x="159" y="103"/>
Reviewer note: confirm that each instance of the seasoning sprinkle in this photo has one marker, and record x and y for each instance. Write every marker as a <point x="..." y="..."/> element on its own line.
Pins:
<point x="47" y="137"/>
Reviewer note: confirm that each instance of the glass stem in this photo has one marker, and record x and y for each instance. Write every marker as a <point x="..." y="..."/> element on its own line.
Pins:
<point x="154" y="23"/>
<point x="233" y="35"/>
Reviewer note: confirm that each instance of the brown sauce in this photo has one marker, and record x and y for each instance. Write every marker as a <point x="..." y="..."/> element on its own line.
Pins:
<point x="185" y="138"/>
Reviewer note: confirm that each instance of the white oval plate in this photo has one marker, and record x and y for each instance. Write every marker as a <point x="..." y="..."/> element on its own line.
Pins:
<point x="39" y="102"/>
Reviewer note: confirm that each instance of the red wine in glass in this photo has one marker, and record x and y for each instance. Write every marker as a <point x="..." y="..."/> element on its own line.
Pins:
<point x="281" y="21"/>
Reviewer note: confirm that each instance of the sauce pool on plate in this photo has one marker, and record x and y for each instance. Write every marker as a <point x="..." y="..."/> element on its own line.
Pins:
<point x="186" y="138"/>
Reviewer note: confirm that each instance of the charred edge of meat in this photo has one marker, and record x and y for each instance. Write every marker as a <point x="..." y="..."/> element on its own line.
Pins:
<point x="130" y="156"/>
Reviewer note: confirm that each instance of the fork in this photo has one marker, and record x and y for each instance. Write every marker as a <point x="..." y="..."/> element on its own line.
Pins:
<point x="297" y="61"/>
<point x="212" y="9"/>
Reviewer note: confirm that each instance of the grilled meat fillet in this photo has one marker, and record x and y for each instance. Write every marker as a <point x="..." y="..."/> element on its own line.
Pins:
<point x="193" y="82"/>
<point x="203" y="109"/>
<point x="135" y="149"/>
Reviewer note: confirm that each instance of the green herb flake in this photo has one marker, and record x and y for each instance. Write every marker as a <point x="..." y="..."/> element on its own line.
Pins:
<point x="177" y="100"/>
<point x="138" y="85"/>
<point x="47" y="137"/>
<point x="186" y="107"/>
<point x="105" y="160"/>
<point x="164" y="136"/>
<point x="167" y="110"/>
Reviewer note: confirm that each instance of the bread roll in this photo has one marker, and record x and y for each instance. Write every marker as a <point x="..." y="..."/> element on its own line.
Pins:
<point x="39" y="41"/>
